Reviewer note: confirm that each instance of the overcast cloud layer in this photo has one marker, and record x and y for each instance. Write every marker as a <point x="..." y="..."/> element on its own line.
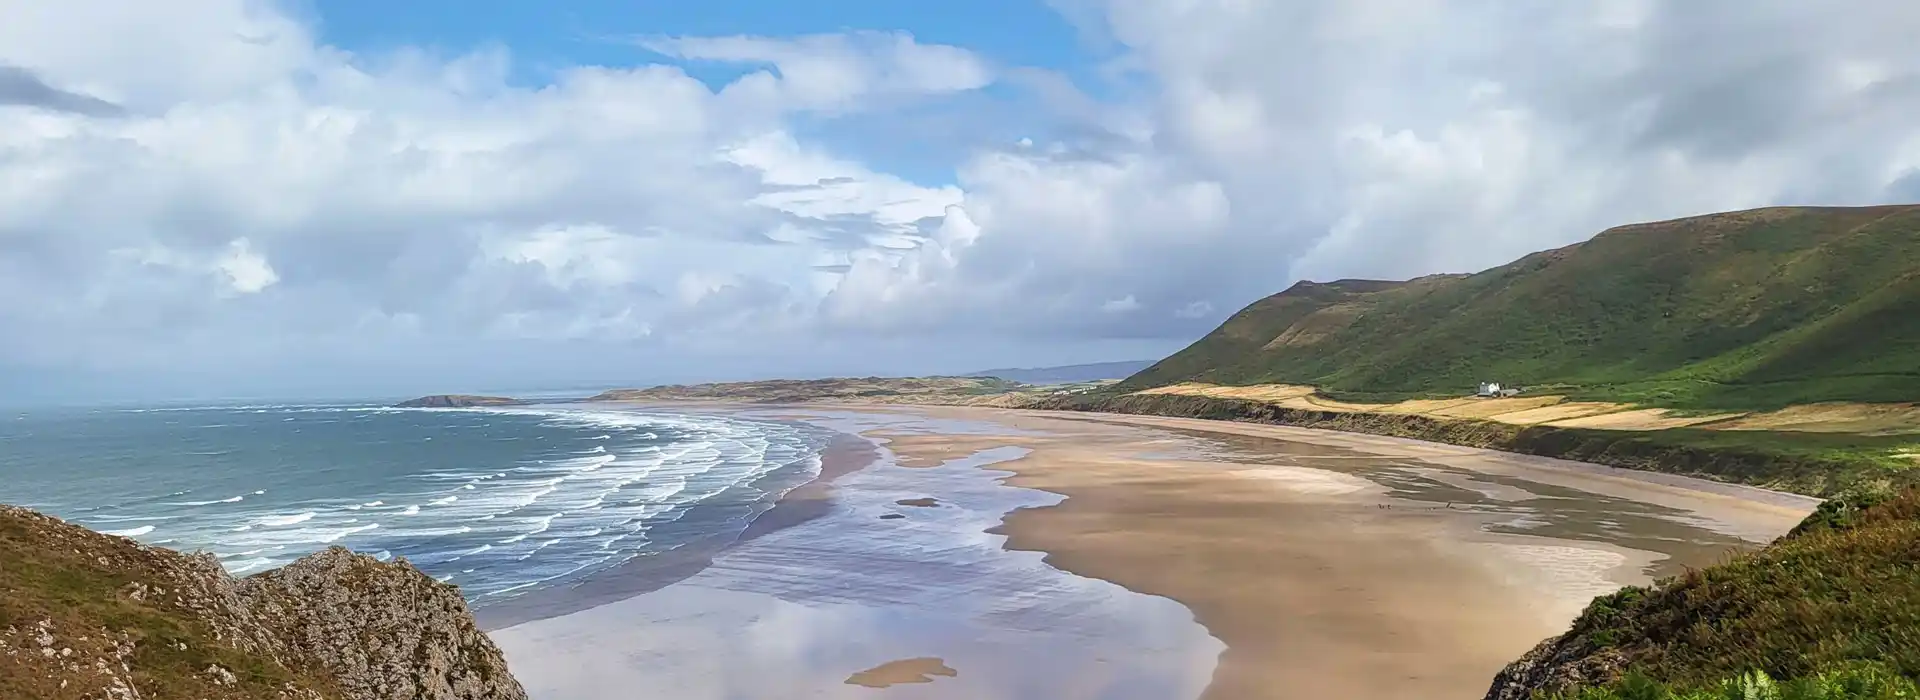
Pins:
<point x="200" y="193"/>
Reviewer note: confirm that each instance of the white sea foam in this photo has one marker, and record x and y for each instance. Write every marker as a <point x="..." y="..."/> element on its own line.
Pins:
<point x="244" y="566"/>
<point x="235" y="499"/>
<point x="471" y="552"/>
<point x="129" y="518"/>
<point x="435" y="531"/>
<point x="135" y="532"/>
<point x="335" y="536"/>
<point x="559" y="505"/>
<point x="285" y="520"/>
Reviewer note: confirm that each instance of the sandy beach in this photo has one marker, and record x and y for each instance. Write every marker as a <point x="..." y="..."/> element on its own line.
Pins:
<point x="1009" y="554"/>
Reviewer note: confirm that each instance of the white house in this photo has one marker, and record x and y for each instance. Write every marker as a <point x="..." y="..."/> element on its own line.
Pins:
<point x="1489" y="389"/>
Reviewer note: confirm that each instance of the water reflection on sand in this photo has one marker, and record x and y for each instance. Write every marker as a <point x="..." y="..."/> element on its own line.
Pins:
<point x="802" y="612"/>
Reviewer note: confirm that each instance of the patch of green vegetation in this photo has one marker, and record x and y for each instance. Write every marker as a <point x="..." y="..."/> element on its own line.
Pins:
<point x="1815" y="464"/>
<point x="76" y="580"/>
<point x="1747" y="310"/>
<point x="1818" y="464"/>
<point x="1836" y="606"/>
<point x="1857" y="682"/>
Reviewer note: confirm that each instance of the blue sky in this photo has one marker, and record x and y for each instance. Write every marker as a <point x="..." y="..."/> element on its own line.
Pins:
<point x="548" y="37"/>
<point x="1017" y="32"/>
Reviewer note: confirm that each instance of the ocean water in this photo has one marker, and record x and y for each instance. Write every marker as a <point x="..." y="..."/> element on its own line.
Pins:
<point x="500" y="501"/>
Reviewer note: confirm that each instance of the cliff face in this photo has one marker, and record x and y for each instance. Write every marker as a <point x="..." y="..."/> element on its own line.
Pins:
<point x="381" y="630"/>
<point x="86" y="615"/>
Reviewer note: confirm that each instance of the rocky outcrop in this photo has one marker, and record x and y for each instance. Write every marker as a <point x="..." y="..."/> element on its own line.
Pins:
<point x="380" y="630"/>
<point x="458" y="401"/>
<point x="87" y="615"/>
<point x="1556" y="664"/>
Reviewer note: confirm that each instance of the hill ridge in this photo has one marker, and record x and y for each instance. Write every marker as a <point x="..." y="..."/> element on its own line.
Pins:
<point x="1748" y="310"/>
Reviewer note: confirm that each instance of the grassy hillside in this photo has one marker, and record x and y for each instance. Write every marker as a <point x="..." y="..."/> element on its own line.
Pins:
<point x="1066" y="374"/>
<point x="1744" y="310"/>
<point x="1838" y="595"/>
<point x="75" y="601"/>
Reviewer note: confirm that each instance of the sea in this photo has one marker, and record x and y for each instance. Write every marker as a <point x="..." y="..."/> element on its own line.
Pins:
<point x="501" y="501"/>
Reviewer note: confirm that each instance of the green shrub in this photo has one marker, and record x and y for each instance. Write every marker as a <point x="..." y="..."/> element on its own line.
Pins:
<point x="1853" y="682"/>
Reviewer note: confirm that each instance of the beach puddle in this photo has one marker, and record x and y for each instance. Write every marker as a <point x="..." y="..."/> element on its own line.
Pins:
<point x="861" y="599"/>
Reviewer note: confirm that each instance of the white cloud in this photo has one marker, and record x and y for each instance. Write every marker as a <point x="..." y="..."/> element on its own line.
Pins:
<point x="1392" y="138"/>
<point x="205" y="186"/>
<point x="821" y="190"/>
<point x="834" y="71"/>
<point x="389" y="198"/>
<point x="248" y="272"/>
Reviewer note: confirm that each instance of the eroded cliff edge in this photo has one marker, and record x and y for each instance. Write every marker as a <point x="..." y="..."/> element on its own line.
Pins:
<point x="87" y="615"/>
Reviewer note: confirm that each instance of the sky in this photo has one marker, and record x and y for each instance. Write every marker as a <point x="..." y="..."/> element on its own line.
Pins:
<point x="256" y="198"/>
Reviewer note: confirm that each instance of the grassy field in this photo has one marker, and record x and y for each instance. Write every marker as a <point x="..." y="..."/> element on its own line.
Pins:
<point x="1815" y="464"/>
<point x="1747" y="310"/>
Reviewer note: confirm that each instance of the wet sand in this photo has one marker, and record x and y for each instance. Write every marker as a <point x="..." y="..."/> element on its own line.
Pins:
<point x="900" y="569"/>
<point x="1340" y="565"/>
<point x="1329" y="565"/>
<point x="892" y="673"/>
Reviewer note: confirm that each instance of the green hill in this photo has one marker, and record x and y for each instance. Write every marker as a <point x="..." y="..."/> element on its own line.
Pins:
<point x="1744" y="310"/>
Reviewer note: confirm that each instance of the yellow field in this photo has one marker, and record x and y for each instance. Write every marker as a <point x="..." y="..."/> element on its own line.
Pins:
<point x="1864" y="419"/>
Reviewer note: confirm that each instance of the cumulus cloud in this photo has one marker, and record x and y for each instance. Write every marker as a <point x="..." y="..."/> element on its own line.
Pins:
<point x="264" y="193"/>
<point x="834" y="71"/>
<point x="208" y="186"/>
<point x="1392" y="138"/>
<point x="19" y="86"/>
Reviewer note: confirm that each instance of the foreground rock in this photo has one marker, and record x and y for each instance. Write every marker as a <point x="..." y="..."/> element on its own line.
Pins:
<point x="458" y="401"/>
<point x="86" y="615"/>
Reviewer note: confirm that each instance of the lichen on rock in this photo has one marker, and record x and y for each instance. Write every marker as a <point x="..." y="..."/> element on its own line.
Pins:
<point x="381" y="630"/>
